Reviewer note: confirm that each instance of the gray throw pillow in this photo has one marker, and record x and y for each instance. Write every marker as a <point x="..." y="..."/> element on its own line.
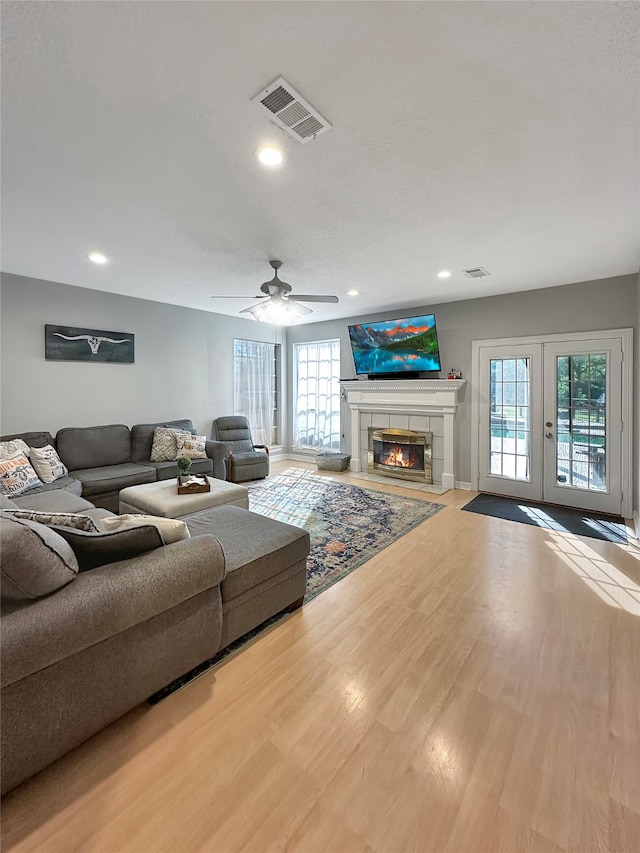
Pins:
<point x="98" y="549"/>
<point x="35" y="559"/>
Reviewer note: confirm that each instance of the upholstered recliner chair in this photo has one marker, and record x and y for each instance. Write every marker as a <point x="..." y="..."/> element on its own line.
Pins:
<point x="245" y="460"/>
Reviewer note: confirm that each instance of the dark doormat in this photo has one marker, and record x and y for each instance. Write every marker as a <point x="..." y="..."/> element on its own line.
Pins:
<point x="610" y="528"/>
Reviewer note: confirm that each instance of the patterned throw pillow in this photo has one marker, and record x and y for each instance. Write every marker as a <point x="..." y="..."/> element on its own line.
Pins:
<point x="16" y="445"/>
<point x="163" y="448"/>
<point x="17" y="475"/>
<point x="56" y="519"/>
<point x="193" y="446"/>
<point x="49" y="467"/>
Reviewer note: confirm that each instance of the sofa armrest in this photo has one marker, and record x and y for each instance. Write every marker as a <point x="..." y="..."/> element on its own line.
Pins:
<point x="217" y="452"/>
<point x="105" y="601"/>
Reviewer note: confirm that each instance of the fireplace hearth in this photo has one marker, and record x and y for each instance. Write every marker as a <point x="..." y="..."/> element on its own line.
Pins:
<point x="401" y="453"/>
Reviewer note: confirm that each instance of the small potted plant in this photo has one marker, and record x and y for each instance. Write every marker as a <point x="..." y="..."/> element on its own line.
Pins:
<point x="184" y="463"/>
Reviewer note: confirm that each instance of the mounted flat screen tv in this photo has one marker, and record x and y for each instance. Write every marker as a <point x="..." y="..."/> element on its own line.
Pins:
<point x="407" y="345"/>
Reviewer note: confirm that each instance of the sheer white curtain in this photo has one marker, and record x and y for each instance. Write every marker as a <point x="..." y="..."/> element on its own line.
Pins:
<point x="316" y="421"/>
<point x="254" y="387"/>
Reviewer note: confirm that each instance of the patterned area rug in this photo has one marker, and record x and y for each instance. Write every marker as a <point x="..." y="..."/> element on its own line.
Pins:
<point x="348" y="525"/>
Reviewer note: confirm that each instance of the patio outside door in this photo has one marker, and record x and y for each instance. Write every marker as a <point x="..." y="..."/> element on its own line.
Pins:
<point x="550" y="422"/>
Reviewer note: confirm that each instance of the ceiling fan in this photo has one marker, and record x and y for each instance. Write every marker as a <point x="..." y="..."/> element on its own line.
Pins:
<point x="278" y="305"/>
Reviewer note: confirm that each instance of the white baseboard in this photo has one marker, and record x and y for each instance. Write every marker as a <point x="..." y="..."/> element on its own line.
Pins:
<point x="464" y="486"/>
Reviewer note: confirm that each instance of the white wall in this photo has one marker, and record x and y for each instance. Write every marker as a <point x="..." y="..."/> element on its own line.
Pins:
<point x="183" y="360"/>
<point x="605" y="304"/>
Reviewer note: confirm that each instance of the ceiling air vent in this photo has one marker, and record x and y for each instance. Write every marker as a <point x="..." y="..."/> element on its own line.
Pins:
<point x="289" y="110"/>
<point x="476" y="272"/>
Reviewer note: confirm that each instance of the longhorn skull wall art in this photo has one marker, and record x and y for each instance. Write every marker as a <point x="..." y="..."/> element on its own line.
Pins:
<point x="71" y="343"/>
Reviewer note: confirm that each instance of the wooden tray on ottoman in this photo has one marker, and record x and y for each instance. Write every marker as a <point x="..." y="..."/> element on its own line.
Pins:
<point x="194" y="488"/>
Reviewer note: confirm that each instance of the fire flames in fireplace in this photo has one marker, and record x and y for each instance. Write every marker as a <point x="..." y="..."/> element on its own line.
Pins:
<point x="399" y="459"/>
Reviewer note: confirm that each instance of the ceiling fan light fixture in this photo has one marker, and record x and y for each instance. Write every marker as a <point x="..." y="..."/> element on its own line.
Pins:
<point x="277" y="311"/>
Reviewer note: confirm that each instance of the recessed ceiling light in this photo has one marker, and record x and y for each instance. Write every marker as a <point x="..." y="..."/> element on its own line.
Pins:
<point x="270" y="156"/>
<point x="97" y="257"/>
<point x="352" y="292"/>
<point x="444" y="274"/>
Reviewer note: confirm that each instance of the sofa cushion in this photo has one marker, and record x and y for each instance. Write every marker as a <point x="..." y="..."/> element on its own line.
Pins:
<point x="98" y="549"/>
<point x="94" y="447"/>
<point x="17" y="475"/>
<point x="142" y="437"/>
<point x="97" y="481"/>
<point x="169" y="470"/>
<point x="7" y="503"/>
<point x="271" y="547"/>
<point x="35" y="559"/>
<point x="32" y="439"/>
<point x="53" y="500"/>
<point x="48" y="465"/>
<point x="69" y="484"/>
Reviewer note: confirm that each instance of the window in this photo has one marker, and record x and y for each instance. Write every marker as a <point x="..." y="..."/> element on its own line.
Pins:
<point x="255" y="368"/>
<point x="316" y="416"/>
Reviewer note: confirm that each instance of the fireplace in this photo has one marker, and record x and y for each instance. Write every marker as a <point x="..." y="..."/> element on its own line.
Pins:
<point x="401" y="453"/>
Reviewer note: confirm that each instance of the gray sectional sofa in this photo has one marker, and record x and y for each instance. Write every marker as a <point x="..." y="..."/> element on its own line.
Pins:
<point x="75" y="658"/>
<point x="102" y="460"/>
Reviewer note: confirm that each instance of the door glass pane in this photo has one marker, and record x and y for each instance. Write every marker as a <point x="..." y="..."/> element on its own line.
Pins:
<point x="509" y="390"/>
<point x="581" y="421"/>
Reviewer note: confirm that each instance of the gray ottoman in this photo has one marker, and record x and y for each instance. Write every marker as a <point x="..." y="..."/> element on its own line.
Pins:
<point x="162" y="498"/>
<point x="266" y="566"/>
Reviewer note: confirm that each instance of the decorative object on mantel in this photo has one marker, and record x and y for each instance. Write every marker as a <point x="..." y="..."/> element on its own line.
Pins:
<point x="72" y="343"/>
<point x="454" y="374"/>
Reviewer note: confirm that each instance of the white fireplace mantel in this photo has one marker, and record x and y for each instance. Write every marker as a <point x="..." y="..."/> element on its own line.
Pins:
<point x="437" y="397"/>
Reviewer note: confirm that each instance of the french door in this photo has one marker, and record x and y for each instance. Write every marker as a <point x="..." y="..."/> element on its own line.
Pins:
<point x="550" y="420"/>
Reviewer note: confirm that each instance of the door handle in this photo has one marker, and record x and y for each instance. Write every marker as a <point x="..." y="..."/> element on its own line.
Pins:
<point x="548" y="435"/>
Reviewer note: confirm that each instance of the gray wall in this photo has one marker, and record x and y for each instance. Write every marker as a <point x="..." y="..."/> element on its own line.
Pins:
<point x="183" y="360"/>
<point x="637" y="412"/>
<point x="605" y="304"/>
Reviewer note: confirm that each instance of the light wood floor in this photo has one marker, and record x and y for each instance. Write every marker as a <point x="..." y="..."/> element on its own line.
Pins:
<point x="474" y="687"/>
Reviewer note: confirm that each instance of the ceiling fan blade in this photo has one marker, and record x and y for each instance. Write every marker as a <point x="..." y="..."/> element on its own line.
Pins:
<point x="228" y="296"/>
<point x="299" y="298"/>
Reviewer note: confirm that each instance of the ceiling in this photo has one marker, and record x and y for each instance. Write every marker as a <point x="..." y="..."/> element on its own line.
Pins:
<point x="502" y="135"/>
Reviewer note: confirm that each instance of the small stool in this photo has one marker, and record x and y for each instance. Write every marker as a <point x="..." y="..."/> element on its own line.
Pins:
<point x="333" y="461"/>
<point x="162" y="498"/>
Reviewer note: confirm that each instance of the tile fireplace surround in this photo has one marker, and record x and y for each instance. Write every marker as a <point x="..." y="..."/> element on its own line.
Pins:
<point x="416" y="404"/>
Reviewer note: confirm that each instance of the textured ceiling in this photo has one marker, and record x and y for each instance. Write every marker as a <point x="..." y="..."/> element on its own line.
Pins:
<point x="496" y="134"/>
